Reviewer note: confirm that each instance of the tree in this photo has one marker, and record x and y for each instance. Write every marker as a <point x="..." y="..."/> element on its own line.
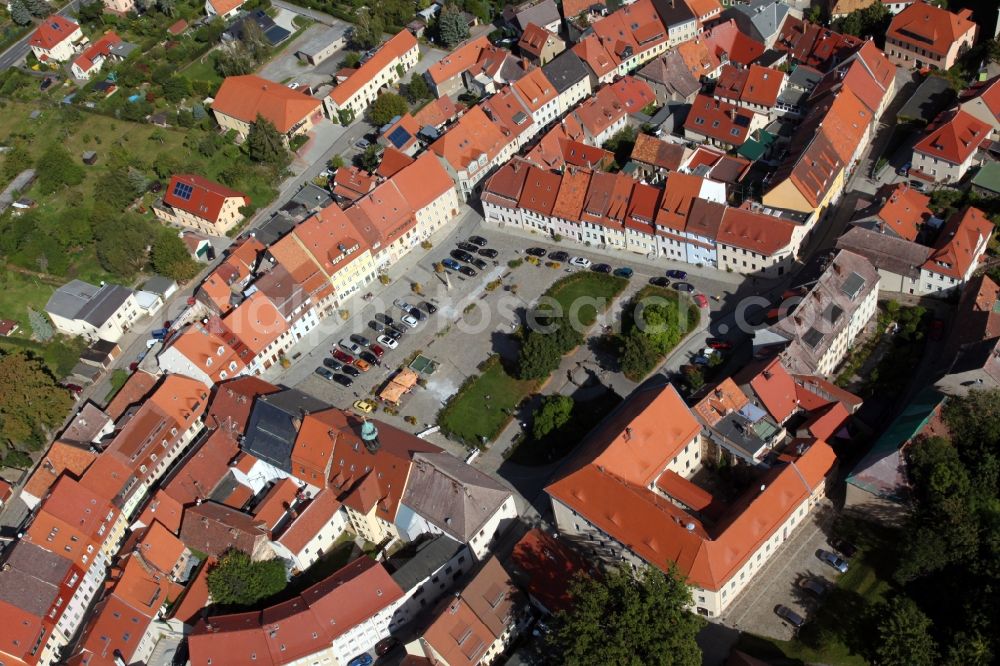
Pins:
<point x="387" y="107"/>
<point x="19" y="12"/>
<point x="370" y="158"/>
<point x="452" y="26"/>
<point x="237" y="580"/>
<point x="41" y="329"/>
<point x="176" y="88"/>
<point x="539" y="356"/>
<point x="38" y="8"/>
<point x="30" y="400"/>
<point x="336" y="162"/>
<point x="90" y="12"/>
<point x="621" y="619"/>
<point x="352" y="59"/>
<point x="234" y="61"/>
<point x="122" y="241"/>
<point x="167" y="7"/>
<point x="57" y="168"/>
<point x="417" y="89"/>
<point x="638" y="355"/>
<point x="904" y="635"/>
<point x="367" y="32"/>
<point x="554" y="413"/>
<point x="17" y="460"/>
<point x="170" y="257"/>
<point x="255" y="42"/>
<point x="265" y="144"/>
<point x="15" y="161"/>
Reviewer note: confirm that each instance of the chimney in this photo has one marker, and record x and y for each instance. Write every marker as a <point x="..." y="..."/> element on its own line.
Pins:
<point x="837" y="269"/>
<point x="628" y="433"/>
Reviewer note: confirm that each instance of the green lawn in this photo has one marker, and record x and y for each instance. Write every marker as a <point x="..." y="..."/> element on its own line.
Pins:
<point x="118" y="379"/>
<point x="203" y="69"/>
<point x="581" y="294"/>
<point x="471" y="415"/>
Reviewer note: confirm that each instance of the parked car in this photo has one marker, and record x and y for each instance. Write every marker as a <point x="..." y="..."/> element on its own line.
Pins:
<point x="717" y="343"/>
<point x="75" y="389"/>
<point x="385" y="645"/>
<point x="386" y="341"/>
<point x="361" y="660"/>
<point x="428" y="307"/>
<point x="683" y="286"/>
<point x="396" y="331"/>
<point x="324" y="373"/>
<point x="601" y="268"/>
<point x="677" y="275"/>
<point x="468" y="271"/>
<point x="559" y="255"/>
<point x="488" y="252"/>
<point x="817" y="587"/>
<point x="478" y="263"/>
<point x="342" y="356"/>
<point x="349" y="347"/>
<point x="362" y="365"/>
<point x="362" y="143"/>
<point x="377" y="351"/>
<point x="844" y="547"/>
<point x="402" y="305"/>
<point x="160" y="333"/>
<point x="905" y="169"/>
<point x="918" y="185"/>
<point x="417" y="313"/>
<point x="535" y="251"/>
<point x="659" y="282"/>
<point x="468" y="247"/>
<point x="333" y="364"/>
<point x="376" y="326"/>
<point x="451" y="264"/>
<point x="351" y="370"/>
<point x="789" y="616"/>
<point x="834" y="560"/>
<point x="461" y="255"/>
<point x="361" y="340"/>
<point x="364" y="406"/>
<point x="410" y="320"/>
<point x="700" y="360"/>
<point x="384" y="318"/>
<point x="369" y="358"/>
<point x="343" y="380"/>
<point x="624" y="272"/>
<point x="478" y="240"/>
<point x="580" y="262"/>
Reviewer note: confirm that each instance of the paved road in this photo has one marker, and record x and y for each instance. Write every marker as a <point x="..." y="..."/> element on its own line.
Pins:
<point x="16" y="53"/>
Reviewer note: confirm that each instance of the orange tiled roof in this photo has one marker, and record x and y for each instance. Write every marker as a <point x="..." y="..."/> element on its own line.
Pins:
<point x="905" y="210"/>
<point x="246" y="97"/>
<point x="223" y="7"/>
<point x="635" y="94"/>
<point x="397" y="46"/>
<point x="540" y="190"/>
<point x="678" y="195"/>
<point x="99" y="49"/>
<point x="535" y="90"/>
<point x="926" y="26"/>
<point x="598" y="58"/>
<point x="533" y="40"/>
<point x="763" y="234"/>
<point x="256" y="322"/>
<point x="276" y="502"/>
<point x="720" y="401"/>
<point x="459" y="60"/>
<point x="955" y="139"/>
<point x="472" y="136"/>
<point x="52" y="31"/>
<point x="600" y="111"/>
<point x="314" y="517"/>
<point x="61" y="457"/>
<point x="955" y="253"/>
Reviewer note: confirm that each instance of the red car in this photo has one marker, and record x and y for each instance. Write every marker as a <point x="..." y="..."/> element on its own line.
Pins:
<point x="76" y="390"/>
<point x="716" y="343"/>
<point x="342" y="356"/>
<point x="937" y="329"/>
<point x="701" y="300"/>
<point x="378" y="351"/>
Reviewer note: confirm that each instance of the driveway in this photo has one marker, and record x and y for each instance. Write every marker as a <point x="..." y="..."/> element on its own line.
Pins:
<point x="777" y="583"/>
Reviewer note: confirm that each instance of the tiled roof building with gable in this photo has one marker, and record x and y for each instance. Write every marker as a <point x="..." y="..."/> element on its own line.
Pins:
<point x="199" y="203"/>
<point x="927" y="36"/>
<point x="240" y="99"/>
<point x="950" y="148"/>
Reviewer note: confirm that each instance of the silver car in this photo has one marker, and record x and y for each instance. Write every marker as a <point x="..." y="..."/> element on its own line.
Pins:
<point x="834" y="560"/>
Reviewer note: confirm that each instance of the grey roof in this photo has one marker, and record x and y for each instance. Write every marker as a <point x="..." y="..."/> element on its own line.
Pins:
<point x="85" y="371"/>
<point x="321" y="40"/>
<point x="122" y="49"/>
<point x="70" y="298"/>
<point x="673" y="12"/>
<point x="565" y="70"/>
<point x="31" y="577"/>
<point x="274" y="423"/>
<point x="85" y="426"/>
<point x="767" y="16"/>
<point x="312" y="197"/>
<point x="274" y="229"/>
<point x="159" y="284"/>
<point x="671" y="72"/>
<point x="431" y="554"/>
<point x="930" y="98"/>
<point x="805" y="78"/>
<point x="885" y="251"/>
<point x="81" y="300"/>
<point x="743" y="435"/>
<point x="542" y="14"/>
<point x="451" y="495"/>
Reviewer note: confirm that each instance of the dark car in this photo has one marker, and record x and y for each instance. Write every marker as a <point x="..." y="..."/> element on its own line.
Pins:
<point x="468" y="271"/>
<point x="683" y="286"/>
<point x="468" y="247"/>
<point x="370" y="358"/>
<point x="450" y="264"/>
<point x="361" y="340"/>
<point x="844" y="547"/>
<point x="559" y="255"/>
<point x="361" y="660"/>
<point x="324" y="373"/>
<point x="478" y="240"/>
<point x="677" y="275"/>
<point x="343" y="380"/>
<point x="817" y="587"/>
<point x="385" y="646"/>
<point x="716" y="343"/>
<point x="385" y="319"/>
<point x="46" y="83"/>
<point x="342" y="356"/>
<point x="376" y="326"/>
<point x="394" y="333"/>
<point x="461" y="255"/>
<point x="659" y="282"/>
<point x="601" y="268"/>
<point x="535" y="251"/>
<point x="489" y="253"/>
<point x="350" y="370"/>
<point x="417" y="313"/>
<point x="429" y="308"/>
<point x="789" y="616"/>
<point x="624" y="272"/>
<point x="333" y="364"/>
<point x="478" y="263"/>
<point x="160" y="333"/>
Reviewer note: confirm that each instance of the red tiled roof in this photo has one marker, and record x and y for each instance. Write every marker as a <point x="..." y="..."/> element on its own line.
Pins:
<point x="679" y="193"/>
<point x="62" y="457"/>
<point x="246" y="97"/>
<point x="955" y="139"/>
<point x="598" y="58"/>
<point x="276" y="503"/>
<point x="549" y="566"/>
<point x="600" y="111"/>
<point x="926" y="26"/>
<point x="729" y="39"/>
<point x="533" y="40"/>
<point x="203" y="198"/>
<point x="572" y="193"/>
<point x="100" y="48"/>
<point x="719" y="120"/>
<point x="635" y="94"/>
<point x="438" y="112"/>
<point x="763" y="234"/>
<point x="392" y="162"/>
<point x="539" y="191"/>
<point x="905" y="210"/>
<point x="52" y="31"/>
<point x="504" y="186"/>
<point x="223" y="7"/>
<point x="774" y="387"/>
<point x="315" y="516"/>
<point x="469" y="138"/>
<point x="656" y="152"/>
<point x="202" y="470"/>
<point x="964" y="233"/>
<point x="459" y="60"/>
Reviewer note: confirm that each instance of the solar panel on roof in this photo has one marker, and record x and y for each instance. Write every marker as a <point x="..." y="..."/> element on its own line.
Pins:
<point x="399" y="137"/>
<point x="183" y="191"/>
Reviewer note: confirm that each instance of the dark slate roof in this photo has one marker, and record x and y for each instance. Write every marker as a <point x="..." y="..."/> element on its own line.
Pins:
<point x="930" y="98"/>
<point x="31" y="577"/>
<point x="430" y="555"/>
<point x="159" y="284"/>
<point x="274" y="229"/>
<point x="79" y="300"/>
<point x="565" y="70"/>
<point x="274" y="424"/>
<point x="673" y="12"/>
<point x="541" y="14"/>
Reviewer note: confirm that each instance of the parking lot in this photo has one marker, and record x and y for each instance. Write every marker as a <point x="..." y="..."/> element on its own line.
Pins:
<point x="779" y="581"/>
